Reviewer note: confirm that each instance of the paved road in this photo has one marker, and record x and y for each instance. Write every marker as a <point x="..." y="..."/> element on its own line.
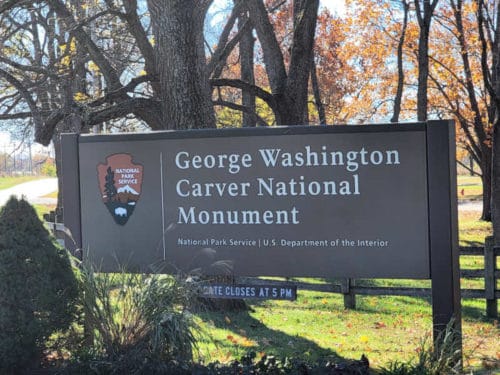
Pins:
<point x="32" y="191"/>
<point x="471" y="206"/>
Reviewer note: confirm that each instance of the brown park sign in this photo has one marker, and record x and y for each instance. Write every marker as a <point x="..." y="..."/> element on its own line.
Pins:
<point x="372" y="201"/>
<point x="334" y="201"/>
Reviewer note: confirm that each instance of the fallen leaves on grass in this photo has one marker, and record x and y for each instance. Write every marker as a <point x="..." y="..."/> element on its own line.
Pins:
<point x="247" y="343"/>
<point x="364" y="339"/>
<point x="244" y="341"/>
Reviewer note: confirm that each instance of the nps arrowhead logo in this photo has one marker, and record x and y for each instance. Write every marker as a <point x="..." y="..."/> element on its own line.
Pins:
<point x="120" y="183"/>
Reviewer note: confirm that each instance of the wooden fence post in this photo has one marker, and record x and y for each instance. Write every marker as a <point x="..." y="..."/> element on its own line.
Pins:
<point x="349" y="296"/>
<point x="489" y="277"/>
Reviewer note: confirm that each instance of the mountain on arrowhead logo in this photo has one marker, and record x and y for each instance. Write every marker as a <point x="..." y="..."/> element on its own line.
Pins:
<point x="120" y="183"/>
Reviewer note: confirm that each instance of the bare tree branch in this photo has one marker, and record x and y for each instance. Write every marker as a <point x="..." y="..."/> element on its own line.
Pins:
<point x="224" y="47"/>
<point x="37" y="118"/>
<point x="109" y="73"/>
<point x="15" y="116"/>
<point x="259" y="120"/>
<point x="9" y="4"/>
<point x="139" y="34"/>
<point x="113" y="96"/>
<point x="242" y="85"/>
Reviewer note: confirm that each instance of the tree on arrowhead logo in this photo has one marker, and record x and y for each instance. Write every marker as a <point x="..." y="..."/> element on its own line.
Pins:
<point x="120" y="183"/>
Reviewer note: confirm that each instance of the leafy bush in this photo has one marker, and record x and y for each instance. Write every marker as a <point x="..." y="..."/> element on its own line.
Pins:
<point x="249" y="364"/>
<point x="49" y="169"/>
<point x="37" y="286"/>
<point x="136" y="323"/>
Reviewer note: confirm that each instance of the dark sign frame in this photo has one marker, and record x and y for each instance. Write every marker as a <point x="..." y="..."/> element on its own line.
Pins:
<point x="441" y="195"/>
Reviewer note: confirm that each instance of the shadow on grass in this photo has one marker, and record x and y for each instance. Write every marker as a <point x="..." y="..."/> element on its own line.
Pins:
<point x="477" y="315"/>
<point x="466" y="243"/>
<point x="246" y="334"/>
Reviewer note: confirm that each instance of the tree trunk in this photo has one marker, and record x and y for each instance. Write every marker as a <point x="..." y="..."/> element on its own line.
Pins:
<point x="424" y="15"/>
<point x="185" y="95"/>
<point x="247" y="43"/>
<point x="73" y="123"/>
<point x="317" y="93"/>
<point x="477" y="142"/>
<point x="401" y="76"/>
<point x="495" y="136"/>
<point x="423" y="73"/>
<point x="486" y="179"/>
<point x="294" y="103"/>
<point x="70" y="125"/>
<point x="289" y="89"/>
<point x="495" y="182"/>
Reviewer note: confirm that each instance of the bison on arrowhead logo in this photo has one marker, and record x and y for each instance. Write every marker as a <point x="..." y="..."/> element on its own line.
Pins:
<point x="120" y="182"/>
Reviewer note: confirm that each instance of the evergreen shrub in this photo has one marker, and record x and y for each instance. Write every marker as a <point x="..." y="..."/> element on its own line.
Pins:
<point x="38" y="288"/>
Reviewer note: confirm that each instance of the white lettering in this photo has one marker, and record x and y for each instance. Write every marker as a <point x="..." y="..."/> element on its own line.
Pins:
<point x="232" y="162"/>
<point x="270" y="187"/>
<point x="248" y="217"/>
<point x="185" y="188"/>
<point x="352" y="159"/>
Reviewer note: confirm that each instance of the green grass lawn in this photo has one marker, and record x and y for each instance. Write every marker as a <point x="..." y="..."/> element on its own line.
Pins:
<point x="469" y="187"/>
<point x="51" y="195"/>
<point x="42" y="209"/>
<point x="7" y="182"/>
<point x="472" y="231"/>
<point x="385" y="328"/>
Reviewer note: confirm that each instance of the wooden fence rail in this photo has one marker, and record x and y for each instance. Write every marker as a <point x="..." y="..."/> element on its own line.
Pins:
<point x="350" y="290"/>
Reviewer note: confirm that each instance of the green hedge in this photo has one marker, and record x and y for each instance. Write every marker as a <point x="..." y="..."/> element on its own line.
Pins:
<point x="37" y="287"/>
